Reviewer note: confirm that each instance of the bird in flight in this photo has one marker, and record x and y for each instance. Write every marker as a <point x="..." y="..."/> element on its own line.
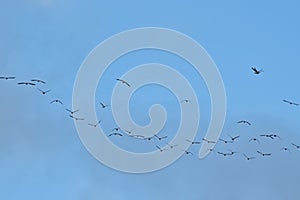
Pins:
<point x="71" y="111"/>
<point x="56" y="101"/>
<point x="103" y="105"/>
<point x="271" y="136"/>
<point x="172" y="146"/>
<point x="227" y="154"/>
<point x="42" y="91"/>
<point x="94" y="125"/>
<point x="188" y="152"/>
<point x="256" y="71"/>
<point x="160" y="149"/>
<point x="233" y="138"/>
<point x="38" y="81"/>
<point x="116" y="129"/>
<point x="193" y="142"/>
<point x="77" y="119"/>
<point x="123" y="81"/>
<point x="248" y="158"/>
<point x="26" y="83"/>
<point x="115" y="134"/>
<point x="264" y="154"/>
<point x="255" y="140"/>
<point x="290" y="102"/>
<point x="244" y="122"/>
<point x="226" y="141"/>
<point x="186" y="101"/>
<point x="208" y="141"/>
<point x="295" y="145"/>
<point x="7" y="77"/>
<point x="160" y="138"/>
<point x="285" y="149"/>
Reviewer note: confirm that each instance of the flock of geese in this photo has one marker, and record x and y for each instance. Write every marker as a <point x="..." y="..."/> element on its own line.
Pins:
<point x="119" y="132"/>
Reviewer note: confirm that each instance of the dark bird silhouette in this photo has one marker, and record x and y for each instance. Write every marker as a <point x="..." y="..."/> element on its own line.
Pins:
<point x="38" y="81"/>
<point x="244" y="122"/>
<point x="71" y="111"/>
<point x="193" y="142"/>
<point x="186" y="101"/>
<point x="94" y="125"/>
<point x="227" y="154"/>
<point x="234" y="138"/>
<point x="26" y="83"/>
<point x="188" y="152"/>
<point x="255" y="140"/>
<point x="208" y="141"/>
<point x="256" y="71"/>
<point x="77" y="119"/>
<point x="43" y="92"/>
<point x="116" y="129"/>
<point x="7" y="77"/>
<point x="115" y="134"/>
<point x="264" y="154"/>
<point x="160" y="149"/>
<point x="226" y="141"/>
<point x="123" y="81"/>
<point x="248" y="158"/>
<point x="285" y="149"/>
<point x="271" y="136"/>
<point x="160" y="138"/>
<point x="103" y="105"/>
<point x="291" y="103"/>
<point x="56" y="101"/>
<point x="295" y="145"/>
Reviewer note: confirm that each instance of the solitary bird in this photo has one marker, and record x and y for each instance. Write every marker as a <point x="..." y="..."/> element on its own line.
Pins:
<point x="290" y="102"/>
<point x="256" y="71"/>
<point x="44" y="92"/>
<point x="56" y="101"/>
<point x="38" y="81"/>
<point x="116" y="129"/>
<point x="188" y="152"/>
<point x="94" y="125"/>
<point x="103" y="105"/>
<point x="244" y="122"/>
<point x="115" y="134"/>
<point x="77" y="119"/>
<point x="7" y="77"/>
<point x="271" y="136"/>
<point x="264" y="154"/>
<point x="26" y="83"/>
<point x="123" y="81"/>
<point x="71" y="111"/>
<point x="248" y="158"/>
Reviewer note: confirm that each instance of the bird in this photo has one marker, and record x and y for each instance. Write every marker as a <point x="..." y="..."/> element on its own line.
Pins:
<point x="285" y="149"/>
<point x="149" y="138"/>
<point x="72" y="112"/>
<point x="208" y="141"/>
<point x="115" y="134"/>
<point x="77" y="119"/>
<point x="226" y="141"/>
<point x="116" y="129"/>
<point x="160" y="138"/>
<point x="290" y="102"/>
<point x="172" y="146"/>
<point x="103" y="105"/>
<point x="256" y="71"/>
<point x="295" y="145"/>
<point x="193" y="142"/>
<point x="255" y="140"/>
<point x="38" y="81"/>
<point x="271" y="136"/>
<point x="188" y="152"/>
<point x="129" y="132"/>
<point x="7" y="77"/>
<point x="264" y="154"/>
<point x="226" y="154"/>
<point x="186" y="101"/>
<point x="248" y="158"/>
<point x="43" y="92"/>
<point x="56" y="101"/>
<point x="160" y="149"/>
<point x="26" y="83"/>
<point x="123" y="81"/>
<point x="234" y="138"/>
<point x="94" y="125"/>
<point x="244" y="122"/>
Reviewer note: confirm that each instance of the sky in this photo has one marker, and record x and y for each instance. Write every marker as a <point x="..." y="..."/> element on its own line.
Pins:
<point x="41" y="155"/>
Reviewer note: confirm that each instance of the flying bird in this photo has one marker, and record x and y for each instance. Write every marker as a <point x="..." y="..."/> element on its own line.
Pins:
<point x="26" y="83"/>
<point x="186" y="101"/>
<point x="256" y="71"/>
<point x="116" y="129"/>
<point x="188" y="152"/>
<point x="172" y="146"/>
<point x="264" y="154"/>
<point x="38" y="81"/>
<point x="193" y="142"/>
<point x="208" y="141"/>
<point x="244" y="122"/>
<point x="255" y="140"/>
<point x="226" y="141"/>
<point x="285" y="149"/>
<point x="43" y="92"/>
<point x="94" y="125"/>
<point x="56" y="101"/>
<point x="7" y="77"/>
<point x="295" y="145"/>
<point x="71" y="111"/>
<point x="123" y="81"/>
<point x="234" y="138"/>
<point x="160" y="149"/>
<point x="77" y="119"/>
<point x="271" y="136"/>
<point x="290" y="102"/>
<point x="115" y="134"/>
<point x="160" y="138"/>
<point x="248" y="158"/>
<point x="103" y="105"/>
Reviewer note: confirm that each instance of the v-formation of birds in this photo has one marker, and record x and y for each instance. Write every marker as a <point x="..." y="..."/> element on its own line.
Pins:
<point x="119" y="132"/>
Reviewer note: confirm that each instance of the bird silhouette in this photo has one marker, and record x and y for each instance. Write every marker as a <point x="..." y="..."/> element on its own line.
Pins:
<point x="225" y="141"/>
<point x="160" y="149"/>
<point x="255" y="140"/>
<point x="43" y="92"/>
<point x="116" y="129"/>
<point x="7" y="77"/>
<point x="248" y="158"/>
<point x="186" y="101"/>
<point x="295" y="145"/>
<point x="271" y="136"/>
<point x="285" y="149"/>
<point x="26" y="83"/>
<point x="290" y="102"/>
<point x="244" y="122"/>
<point x="208" y="141"/>
<point x="234" y="138"/>
<point x="188" y="152"/>
<point x="115" y="134"/>
<point x="103" y="105"/>
<point x="256" y="71"/>
<point x="123" y="81"/>
<point x="56" y="101"/>
<point x="38" y="81"/>
<point x="160" y="138"/>
<point x="264" y="154"/>
<point x="193" y="142"/>
<point x="71" y="111"/>
<point x="172" y="146"/>
<point x="94" y="125"/>
<point x="76" y="118"/>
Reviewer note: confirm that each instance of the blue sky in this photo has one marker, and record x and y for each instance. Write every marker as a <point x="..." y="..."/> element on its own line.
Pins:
<point x="41" y="156"/>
